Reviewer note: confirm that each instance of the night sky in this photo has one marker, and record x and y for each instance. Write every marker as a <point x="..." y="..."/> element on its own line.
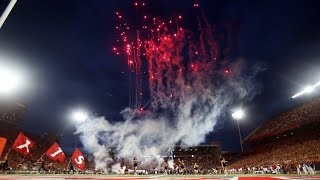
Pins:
<point x="65" y="48"/>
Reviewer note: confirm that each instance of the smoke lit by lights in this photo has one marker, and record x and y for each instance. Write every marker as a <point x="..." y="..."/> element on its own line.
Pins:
<point x="172" y="70"/>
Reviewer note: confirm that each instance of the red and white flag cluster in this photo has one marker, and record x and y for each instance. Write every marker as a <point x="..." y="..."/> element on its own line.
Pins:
<point x="23" y="145"/>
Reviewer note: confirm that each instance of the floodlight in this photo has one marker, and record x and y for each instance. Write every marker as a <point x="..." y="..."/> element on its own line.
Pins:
<point x="8" y="81"/>
<point x="316" y="85"/>
<point x="239" y="114"/>
<point x="79" y="115"/>
<point x="308" y="89"/>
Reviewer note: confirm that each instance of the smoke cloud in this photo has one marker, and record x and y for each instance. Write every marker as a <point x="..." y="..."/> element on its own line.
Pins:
<point x="191" y="87"/>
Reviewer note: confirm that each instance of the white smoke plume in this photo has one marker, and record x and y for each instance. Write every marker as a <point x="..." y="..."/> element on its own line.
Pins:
<point x="117" y="168"/>
<point x="171" y="164"/>
<point x="190" y="93"/>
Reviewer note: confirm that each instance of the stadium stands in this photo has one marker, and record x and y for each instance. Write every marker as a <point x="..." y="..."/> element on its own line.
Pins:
<point x="288" y="120"/>
<point x="287" y="140"/>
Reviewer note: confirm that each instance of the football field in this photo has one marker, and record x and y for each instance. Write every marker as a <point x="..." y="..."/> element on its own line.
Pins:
<point x="131" y="177"/>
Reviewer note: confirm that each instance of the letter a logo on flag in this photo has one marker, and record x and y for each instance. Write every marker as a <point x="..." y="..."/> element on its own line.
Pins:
<point x="55" y="153"/>
<point x="3" y="142"/>
<point x="22" y="144"/>
<point x="78" y="159"/>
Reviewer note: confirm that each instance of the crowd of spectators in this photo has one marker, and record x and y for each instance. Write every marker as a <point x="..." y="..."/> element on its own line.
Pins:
<point x="288" y="152"/>
<point x="283" y="154"/>
<point x="288" y="143"/>
<point x="288" y="120"/>
<point x="270" y="158"/>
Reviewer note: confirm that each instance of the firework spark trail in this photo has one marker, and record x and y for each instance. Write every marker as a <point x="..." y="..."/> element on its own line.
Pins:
<point x="189" y="95"/>
<point x="194" y="102"/>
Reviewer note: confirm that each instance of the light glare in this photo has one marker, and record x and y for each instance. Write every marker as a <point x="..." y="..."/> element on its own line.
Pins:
<point x="79" y="115"/>
<point x="308" y="89"/>
<point x="8" y="81"/>
<point x="316" y="85"/>
<point x="239" y="114"/>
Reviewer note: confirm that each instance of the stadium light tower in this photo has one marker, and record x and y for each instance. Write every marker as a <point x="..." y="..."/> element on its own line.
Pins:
<point x="238" y="115"/>
<point x="79" y="115"/>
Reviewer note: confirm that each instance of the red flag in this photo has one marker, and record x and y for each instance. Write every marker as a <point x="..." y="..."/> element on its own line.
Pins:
<point x="78" y="159"/>
<point x="3" y="142"/>
<point x="55" y="153"/>
<point x="22" y="144"/>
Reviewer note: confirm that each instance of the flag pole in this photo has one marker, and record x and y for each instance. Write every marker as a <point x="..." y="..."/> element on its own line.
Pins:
<point x="75" y="146"/>
<point x="69" y="162"/>
<point x="22" y="159"/>
<point x="6" y="156"/>
<point x="41" y="157"/>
